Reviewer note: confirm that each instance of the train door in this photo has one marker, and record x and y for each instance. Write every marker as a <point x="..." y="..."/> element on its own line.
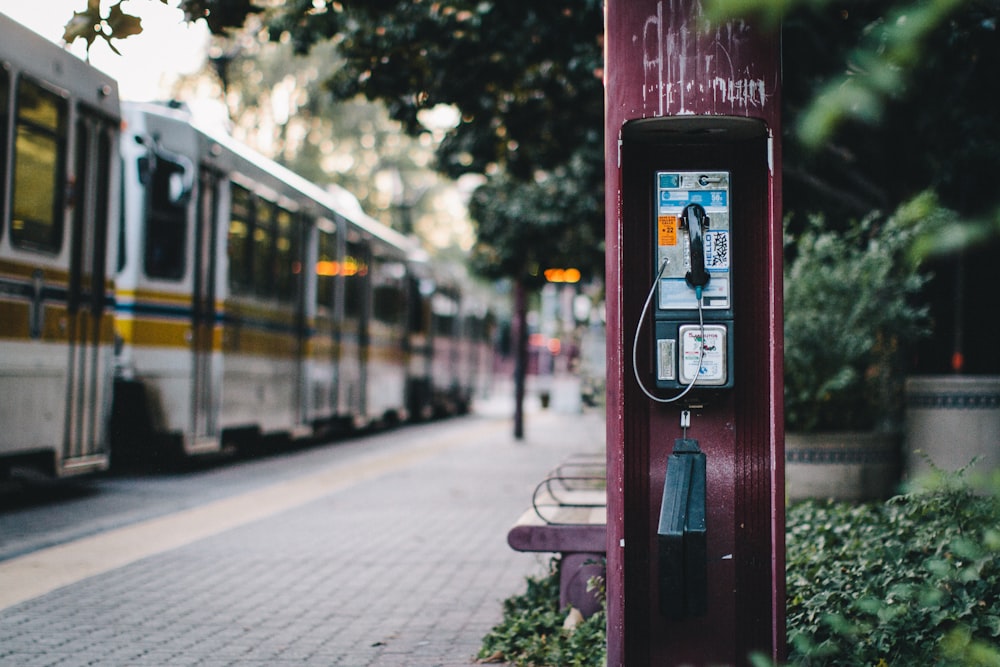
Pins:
<point x="325" y="341"/>
<point x="204" y="407"/>
<point x="386" y="376"/>
<point x="290" y="290"/>
<point x="354" y="337"/>
<point x="89" y="328"/>
<point x="444" y="311"/>
<point x="418" y="348"/>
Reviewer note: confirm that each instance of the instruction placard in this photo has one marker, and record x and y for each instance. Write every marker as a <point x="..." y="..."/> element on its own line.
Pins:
<point x="674" y="192"/>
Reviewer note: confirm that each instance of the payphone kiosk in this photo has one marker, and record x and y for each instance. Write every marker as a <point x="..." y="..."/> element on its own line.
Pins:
<point x="692" y="346"/>
<point x="698" y="307"/>
<point x="694" y="385"/>
<point x="692" y="289"/>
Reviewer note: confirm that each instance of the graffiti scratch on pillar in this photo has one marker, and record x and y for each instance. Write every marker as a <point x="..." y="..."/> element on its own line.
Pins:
<point x="689" y="70"/>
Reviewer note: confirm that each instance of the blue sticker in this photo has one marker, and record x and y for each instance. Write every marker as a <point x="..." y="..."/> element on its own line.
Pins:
<point x="709" y="198"/>
<point x="673" y="197"/>
<point x="669" y="181"/>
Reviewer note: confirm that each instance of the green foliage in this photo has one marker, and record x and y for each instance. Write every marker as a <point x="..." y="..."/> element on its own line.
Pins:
<point x="888" y="72"/>
<point x="913" y="581"/>
<point x="352" y="144"/>
<point x="523" y="228"/>
<point x="889" y="50"/>
<point x="850" y="314"/>
<point x="523" y="74"/>
<point x="525" y="78"/>
<point x="532" y="634"/>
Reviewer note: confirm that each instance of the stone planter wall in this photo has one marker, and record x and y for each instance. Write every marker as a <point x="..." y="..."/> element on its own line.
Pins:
<point x="951" y="419"/>
<point x="855" y="466"/>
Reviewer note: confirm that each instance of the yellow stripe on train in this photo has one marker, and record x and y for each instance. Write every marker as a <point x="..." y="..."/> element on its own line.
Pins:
<point x="56" y="324"/>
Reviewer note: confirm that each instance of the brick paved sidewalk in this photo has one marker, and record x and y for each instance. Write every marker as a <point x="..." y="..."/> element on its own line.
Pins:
<point x="408" y="568"/>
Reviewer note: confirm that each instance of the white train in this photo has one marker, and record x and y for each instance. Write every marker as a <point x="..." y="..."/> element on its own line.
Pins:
<point x="59" y="121"/>
<point x="238" y="301"/>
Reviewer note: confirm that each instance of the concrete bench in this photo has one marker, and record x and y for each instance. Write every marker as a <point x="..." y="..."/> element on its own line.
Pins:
<point x="568" y="516"/>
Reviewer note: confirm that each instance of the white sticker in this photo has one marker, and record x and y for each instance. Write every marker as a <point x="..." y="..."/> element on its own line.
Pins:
<point x="713" y="363"/>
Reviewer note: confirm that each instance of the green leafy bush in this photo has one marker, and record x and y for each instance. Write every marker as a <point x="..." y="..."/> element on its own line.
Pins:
<point x="532" y="633"/>
<point x="850" y="313"/>
<point x="913" y="581"/>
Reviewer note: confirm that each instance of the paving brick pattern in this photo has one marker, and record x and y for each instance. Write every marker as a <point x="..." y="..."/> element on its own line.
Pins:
<point x="408" y="569"/>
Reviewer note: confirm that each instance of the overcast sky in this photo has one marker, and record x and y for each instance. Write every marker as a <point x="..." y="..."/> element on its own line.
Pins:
<point x="149" y="62"/>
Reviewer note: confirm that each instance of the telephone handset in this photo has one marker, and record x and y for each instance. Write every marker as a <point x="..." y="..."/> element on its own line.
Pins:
<point x="695" y="220"/>
<point x="693" y="314"/>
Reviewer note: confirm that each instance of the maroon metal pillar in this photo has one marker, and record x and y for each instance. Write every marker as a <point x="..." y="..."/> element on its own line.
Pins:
<point x="661" y="63"/>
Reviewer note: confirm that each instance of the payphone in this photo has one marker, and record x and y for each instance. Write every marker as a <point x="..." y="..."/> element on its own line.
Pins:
<point x="693" y="312"/>
<point x="692" y="347"/>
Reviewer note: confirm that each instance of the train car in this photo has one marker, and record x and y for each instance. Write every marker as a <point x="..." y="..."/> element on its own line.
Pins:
<point x="166" y="292"/>
<point x="59" y="123"/>
<point x="478" y="332"/>
<point x="455" y="348"/>
<point x="376" y="325"/>
<point x="250" y="302"/>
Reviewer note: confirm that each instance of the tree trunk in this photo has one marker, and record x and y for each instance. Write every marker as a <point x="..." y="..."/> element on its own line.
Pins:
<point x="520" y="354"/>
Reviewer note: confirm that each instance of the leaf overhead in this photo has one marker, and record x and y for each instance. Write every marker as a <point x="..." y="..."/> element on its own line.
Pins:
<point x="83" y="25"/>
<point x="123" y="25"/>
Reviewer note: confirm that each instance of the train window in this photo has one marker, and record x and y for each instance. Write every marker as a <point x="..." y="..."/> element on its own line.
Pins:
<point x="472" y="328"/>
<point x="286" y="260"/>
<point x="95" y="146"/>
<point x="418" y="306"/>
<point x="80" y="280"/>
<point x="166" y="222"/>
<point x="354" y="270"/>
<point x="39" y="158"/>
<point x="327" y="269"/>
<point x="4" y="98"/>
<point x="389" y="304"/>
<point x="445" y="311"/>
<point x="263" y="249"/>
<point x="389" y="298"/>
<point x="107" y="156"/>
<point x="240" y="223"/>
<point x="122" y="255"/>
